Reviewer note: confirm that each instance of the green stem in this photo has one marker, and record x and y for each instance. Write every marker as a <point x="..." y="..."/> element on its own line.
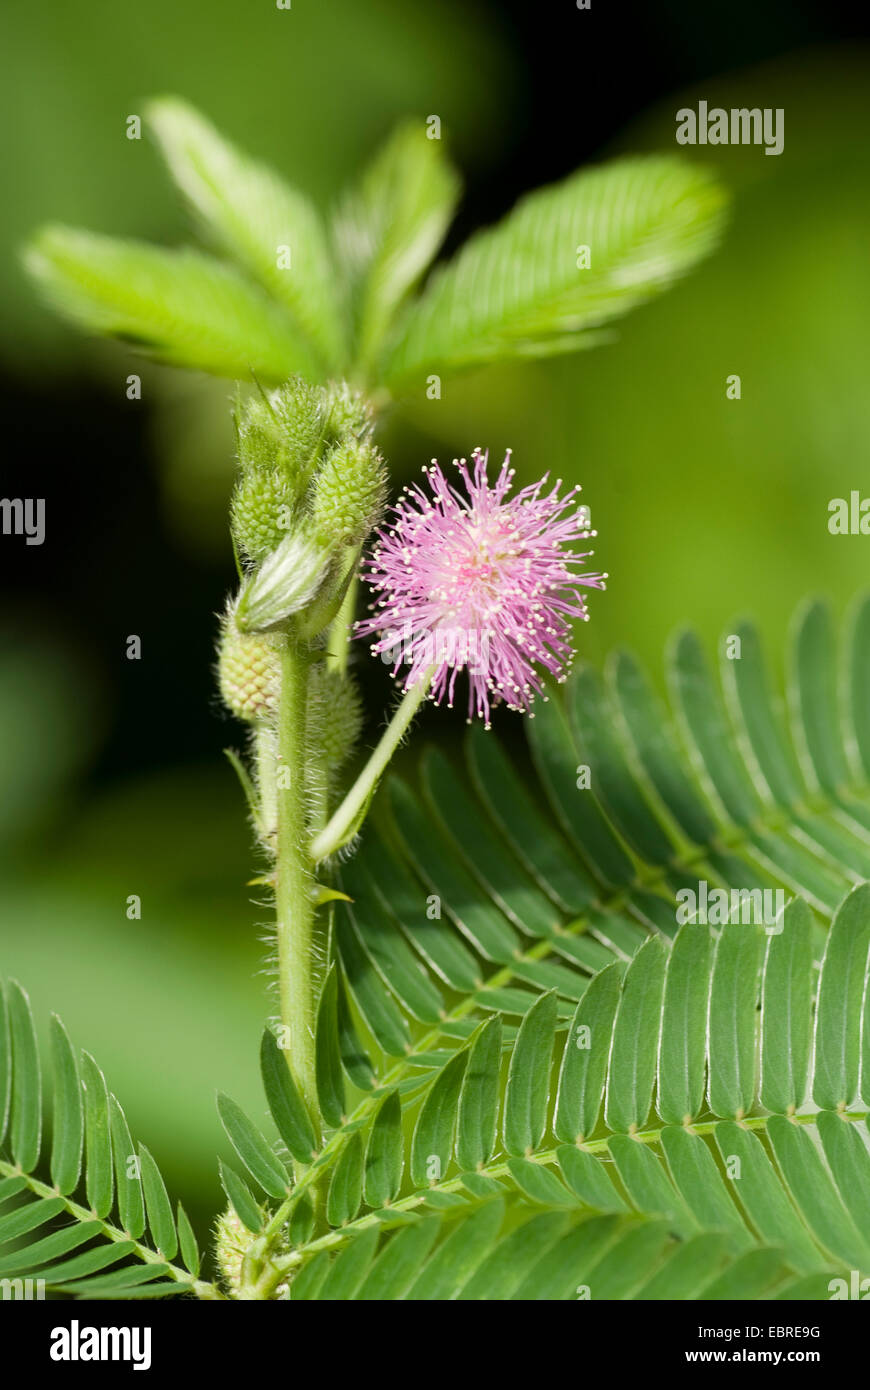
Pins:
<point x="294" y="901"/>
<point x="342" y="626"/>
<point x="345" y="822"/>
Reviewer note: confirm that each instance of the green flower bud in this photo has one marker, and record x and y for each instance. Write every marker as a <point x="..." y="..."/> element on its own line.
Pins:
<point x="281" y="430"/>
<point x="249" y="671"/>
<point x="349" y="493"/>
<point x="261" y="511"/>
<point x="336" y="715"/>
<point x="302" y="415"/>
<point x="231" y="1244"/>
<point x="232" y="1241"/>
<point x="348" y="413"/>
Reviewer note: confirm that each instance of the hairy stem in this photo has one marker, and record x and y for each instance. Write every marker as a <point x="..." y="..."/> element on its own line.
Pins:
<point x="294" y="900"/>
<point x="344" y="823"/>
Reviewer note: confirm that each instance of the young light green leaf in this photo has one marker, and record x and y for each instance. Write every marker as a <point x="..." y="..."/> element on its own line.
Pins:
<point x="389" y="227"/>
<point x="284" y="1100"/>
<point x="68" y="1123"/>
<point x="268" y="227"/>
<point x="253" y="1148"/>
<point x="525" y="1109"/>
<point x="157" y="1205"/>
<point x="182" y="307"/>
<point x="567" y="259"/>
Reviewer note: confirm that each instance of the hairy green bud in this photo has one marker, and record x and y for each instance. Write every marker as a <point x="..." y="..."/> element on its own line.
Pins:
<point x="336" y="715"/>
<point x="301" y="412"/>
<point x="282" y="429"/>
<point x="261" y="512"/>
<point x="232" y="1242"/>
<point x="349" y="493"/>
<point x="348" y="413"/>
<point x="249" y="671"/>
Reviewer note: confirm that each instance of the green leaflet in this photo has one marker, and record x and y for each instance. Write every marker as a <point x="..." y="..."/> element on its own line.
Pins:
<point x="239" y="1195"/>
<point x="635" y="1040"/>
<point x="684" y="1024"/>
<point x="383" y="1160"/>
<point x="5" y="1061"/>
<point x="98" y="1138"/>
<point x="518" y="289"/>
<point x="786" y="1034"/>
<point x="330" y="1083"/>
<point x="253" y="1149"/>
<point x="388" y="228"/>
<point x="525" y="1110"/>
<point x="26" y="1110"/>
<point x="346" y="1183"/>
<point x="68" y="1135"/>
<point x="157" y="1205"/>
<point x="187" y="1241"/>
<point x="131" y="1202"/>
<point x="479" y="1097"/>
<point x="285" y="1103"/>
<point x="584" y="1061"/>
<point x="432" y="1142"/>
<point x="732" y="1019"/>
<point x="185" y="308"/>
<point x="254" y="216"/>
<point x="842" y="986"/>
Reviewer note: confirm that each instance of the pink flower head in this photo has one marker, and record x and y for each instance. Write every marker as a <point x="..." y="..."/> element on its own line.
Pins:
<point x="480" y="581"/>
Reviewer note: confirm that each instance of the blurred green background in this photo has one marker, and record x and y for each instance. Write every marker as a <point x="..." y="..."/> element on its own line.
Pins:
<point x="112" y="778"/>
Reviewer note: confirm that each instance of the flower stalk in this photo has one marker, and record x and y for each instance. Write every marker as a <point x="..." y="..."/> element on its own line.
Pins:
<point x="346" y="820"/>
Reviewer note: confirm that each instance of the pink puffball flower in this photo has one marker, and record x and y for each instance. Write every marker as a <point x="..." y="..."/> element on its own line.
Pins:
<point x="474" y="579"/>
